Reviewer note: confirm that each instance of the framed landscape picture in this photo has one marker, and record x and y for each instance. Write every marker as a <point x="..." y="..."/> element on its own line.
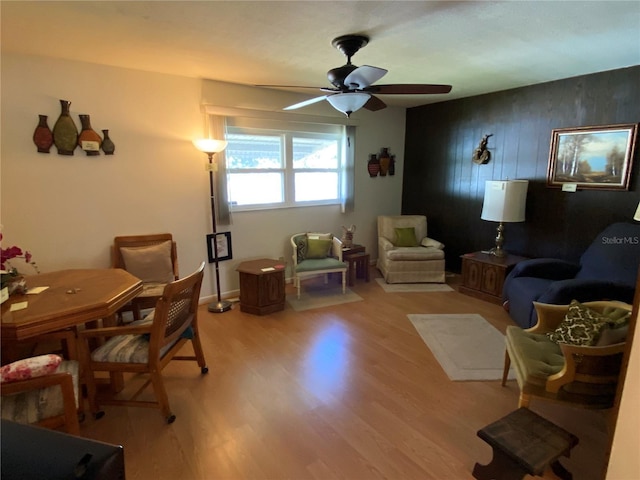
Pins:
<point x="592" y="157"/>
<point x="223" y="244"/>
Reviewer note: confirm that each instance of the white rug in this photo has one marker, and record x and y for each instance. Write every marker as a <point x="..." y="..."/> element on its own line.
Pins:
<point x="466" y="345"/>
<point x="413" y="287"/>
<point x="318" y="295"/>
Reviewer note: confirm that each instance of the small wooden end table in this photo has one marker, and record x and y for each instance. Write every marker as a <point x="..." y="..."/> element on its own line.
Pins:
<point x="262" y="286"/>
<point x="524" y="443"/>
<point x="358" y="261"/>
<point x="483" y="275"/>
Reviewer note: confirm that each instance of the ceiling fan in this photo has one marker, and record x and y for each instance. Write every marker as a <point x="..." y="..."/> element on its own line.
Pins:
<point x="353" y="86"/>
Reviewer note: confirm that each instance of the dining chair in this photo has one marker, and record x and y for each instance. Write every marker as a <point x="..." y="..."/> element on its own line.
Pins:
<point x="153" y="259"/>
<point x="146" y="346"/>
<point x="42" y="391"/>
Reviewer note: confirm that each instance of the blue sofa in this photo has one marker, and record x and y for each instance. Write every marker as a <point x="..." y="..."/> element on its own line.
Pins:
<point x="608" y="270"/>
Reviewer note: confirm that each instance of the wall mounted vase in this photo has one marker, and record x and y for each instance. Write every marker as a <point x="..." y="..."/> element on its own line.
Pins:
<point x="385" y="160"/>
<point x="65" y="132"/>
<point x="373" y="165"/>
<point x="107" y="145"/>
<point x="88" y="140"/>
<point x="43" y="136"/>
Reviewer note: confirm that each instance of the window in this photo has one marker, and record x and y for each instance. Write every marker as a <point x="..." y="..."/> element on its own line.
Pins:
<point x="271" y="165"/>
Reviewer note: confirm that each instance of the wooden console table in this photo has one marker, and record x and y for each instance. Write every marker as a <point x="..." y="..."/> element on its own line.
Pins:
<point x="261" y="286"/>
<point x="483" y="275"/>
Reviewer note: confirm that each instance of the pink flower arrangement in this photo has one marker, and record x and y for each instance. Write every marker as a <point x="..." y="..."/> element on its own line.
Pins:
<point x="10" y="253"/>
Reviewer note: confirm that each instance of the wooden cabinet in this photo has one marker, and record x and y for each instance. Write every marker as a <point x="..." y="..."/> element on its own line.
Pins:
<point x="483" y="275"/>
<point x="262" y="286"/>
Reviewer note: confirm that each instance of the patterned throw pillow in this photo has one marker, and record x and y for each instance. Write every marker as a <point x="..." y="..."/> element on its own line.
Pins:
<point x="29" y="368"/>
<point x="581" y="326"/>
<point x="301" y="247"/>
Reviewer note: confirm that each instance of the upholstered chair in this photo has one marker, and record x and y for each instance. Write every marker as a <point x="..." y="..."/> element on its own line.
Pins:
<point x="572" y="355"/>
<point x="41" y="391"/>
<point x="146" y="346"/>
<point x="317" y="254"/>
<point x="406" y="254"/>
<point x="151" y="258"/>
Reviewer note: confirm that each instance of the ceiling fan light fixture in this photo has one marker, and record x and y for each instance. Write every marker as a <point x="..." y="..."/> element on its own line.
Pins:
<point x="349" y="102"/>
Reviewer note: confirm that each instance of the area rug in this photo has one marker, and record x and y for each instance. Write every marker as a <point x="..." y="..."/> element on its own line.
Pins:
<point x="413" y="287"/>
<point x="466" y="345"/>
<point x="318" y="295"/>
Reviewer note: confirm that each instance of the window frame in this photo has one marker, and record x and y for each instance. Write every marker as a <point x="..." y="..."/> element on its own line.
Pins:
<point x="288" y="171"/>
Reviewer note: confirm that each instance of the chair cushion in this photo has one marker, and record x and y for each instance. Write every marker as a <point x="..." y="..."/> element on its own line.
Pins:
<point x="534" y="355"/>
<point x="312" y="265"/>
<point x="150" y="263"/>
<point x="131" y="348"/>
<point x="152" y="289"/>
<point x="430" y="242"/>
<point x="35" y="405"/>
<point x="415" y="253"/>
<point x="581" y="326"/>
<point x="405" y="237"/>
<point x="29" y="368"/>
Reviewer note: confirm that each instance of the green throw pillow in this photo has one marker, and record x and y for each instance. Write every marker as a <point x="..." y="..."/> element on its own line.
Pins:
<point x="406" y="237"/>
<point x="318" y="248"/>
<point x="581" y="326"/>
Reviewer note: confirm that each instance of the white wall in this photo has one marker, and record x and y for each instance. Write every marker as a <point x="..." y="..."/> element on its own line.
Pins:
<point x="67" y="209"/>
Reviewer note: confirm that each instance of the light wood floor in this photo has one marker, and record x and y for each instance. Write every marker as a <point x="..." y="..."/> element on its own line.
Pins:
<point x="345" y="392"/>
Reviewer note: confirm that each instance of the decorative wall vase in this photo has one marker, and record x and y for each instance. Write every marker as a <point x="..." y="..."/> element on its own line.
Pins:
<point x="88" y="140"/>
<point x="373" y="165"/>
<point x="65" y="132"/>
<point x="43" y="136"/>
<point x="392" y="165"/>
<point x="385" y="160"/>
<point x="107" y="145"/>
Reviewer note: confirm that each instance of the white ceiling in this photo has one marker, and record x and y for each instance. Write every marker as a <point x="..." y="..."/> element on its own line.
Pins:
<point x="476" y="46"/>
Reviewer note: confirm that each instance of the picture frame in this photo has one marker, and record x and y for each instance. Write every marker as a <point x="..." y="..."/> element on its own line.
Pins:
<point x="599" y="157"/>
<point x="223" y="243"/>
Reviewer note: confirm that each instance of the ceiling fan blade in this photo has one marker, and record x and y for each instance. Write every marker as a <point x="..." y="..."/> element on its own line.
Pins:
<point x="311" y="101"/>
<point x="363" y="76"/>
<point x="287" y="86"/>
<point x="374" y="104"/>
<point x="408" y="89"/>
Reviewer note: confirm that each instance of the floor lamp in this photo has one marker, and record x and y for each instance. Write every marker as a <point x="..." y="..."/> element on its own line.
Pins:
<point x="211" y="147"/>
<point x="504" y="201"/>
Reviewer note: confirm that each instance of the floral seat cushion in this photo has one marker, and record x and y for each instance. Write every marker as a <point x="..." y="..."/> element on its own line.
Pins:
<point x="35" y="405"/>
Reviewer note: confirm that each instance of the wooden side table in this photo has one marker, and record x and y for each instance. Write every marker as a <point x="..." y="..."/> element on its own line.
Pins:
<point x="261" y="286"/>
<point x="483" y="275"/>
<point x="524" y="443"/>
<point x="358" y="261"/>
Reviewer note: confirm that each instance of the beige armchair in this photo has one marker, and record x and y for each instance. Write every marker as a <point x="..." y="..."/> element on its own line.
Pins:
<point x="582" y="375"/>
<point x="405" y="253"/>
<point x="317" y="254"/>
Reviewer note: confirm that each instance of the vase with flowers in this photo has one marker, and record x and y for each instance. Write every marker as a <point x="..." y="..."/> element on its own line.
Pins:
<point x="10" y="277"/>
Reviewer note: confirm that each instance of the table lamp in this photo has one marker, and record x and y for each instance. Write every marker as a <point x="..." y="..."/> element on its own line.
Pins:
<point x="211" y="147"/>
<point x="504" y="202"/>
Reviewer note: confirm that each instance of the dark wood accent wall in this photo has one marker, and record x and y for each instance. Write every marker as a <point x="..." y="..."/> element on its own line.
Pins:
<point x="442" y="182"/>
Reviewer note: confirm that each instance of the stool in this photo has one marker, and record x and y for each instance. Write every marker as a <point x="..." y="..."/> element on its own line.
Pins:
<point x="524" y="443"/>
<point x="358" y="262"/>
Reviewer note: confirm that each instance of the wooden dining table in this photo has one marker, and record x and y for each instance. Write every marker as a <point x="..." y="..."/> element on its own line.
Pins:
<point x="73" y="298"/>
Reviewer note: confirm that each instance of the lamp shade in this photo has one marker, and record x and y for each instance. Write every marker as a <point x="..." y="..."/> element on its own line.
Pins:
<point x="637" y="214"/>
<point x="348" y="103"/>
<point x="504" y="200"/>
<point x="209" y="145"/>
